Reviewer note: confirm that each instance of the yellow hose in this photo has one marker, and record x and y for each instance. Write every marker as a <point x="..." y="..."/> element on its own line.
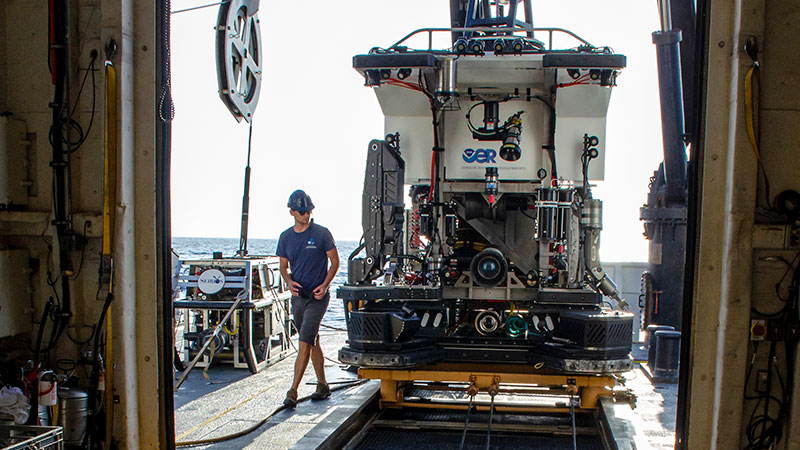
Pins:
<point x="748" y="108"/>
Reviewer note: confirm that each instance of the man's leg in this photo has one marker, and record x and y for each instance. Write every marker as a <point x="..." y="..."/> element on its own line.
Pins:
<point x="318" y="360"/>
<point x="301" y="363"/>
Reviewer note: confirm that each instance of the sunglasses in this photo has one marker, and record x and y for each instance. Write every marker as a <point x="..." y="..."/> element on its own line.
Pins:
<point x="302" y="213"/>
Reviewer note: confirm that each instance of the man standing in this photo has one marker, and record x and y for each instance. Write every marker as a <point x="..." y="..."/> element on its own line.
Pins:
<point x="305" y="248"/>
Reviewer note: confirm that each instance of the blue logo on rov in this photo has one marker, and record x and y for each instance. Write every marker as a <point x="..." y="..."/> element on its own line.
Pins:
<point x="480" y="155"/>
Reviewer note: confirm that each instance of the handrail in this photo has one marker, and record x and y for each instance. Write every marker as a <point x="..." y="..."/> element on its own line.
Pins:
<point x="549" y="31"/>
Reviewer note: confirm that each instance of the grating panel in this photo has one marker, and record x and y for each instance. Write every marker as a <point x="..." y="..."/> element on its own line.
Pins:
<point x="423" y="440"/>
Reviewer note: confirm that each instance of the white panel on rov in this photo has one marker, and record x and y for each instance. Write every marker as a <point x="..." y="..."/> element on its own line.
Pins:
<point x="15" y="297"/>
<point x="409" y="114"/>
<point x="501" y="73"/>
<point x="580" y="110"/>
<point x="466" y="158"/>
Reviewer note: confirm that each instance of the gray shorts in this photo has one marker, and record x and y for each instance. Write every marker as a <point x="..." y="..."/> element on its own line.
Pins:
<point x="307" y="313"/>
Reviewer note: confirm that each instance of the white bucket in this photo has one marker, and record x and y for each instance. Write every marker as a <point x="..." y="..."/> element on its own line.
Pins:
<point x="48" y="393"/>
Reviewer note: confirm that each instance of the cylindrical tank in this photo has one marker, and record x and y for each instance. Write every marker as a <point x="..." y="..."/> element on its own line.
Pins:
<point x="651" y="342"/>
<point x="668" y="350"/>
<point x="73" y="411"/>
<point x="44" y="415"/>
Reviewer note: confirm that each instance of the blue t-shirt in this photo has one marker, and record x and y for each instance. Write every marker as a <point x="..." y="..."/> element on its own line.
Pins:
<point x="306" y="253"/>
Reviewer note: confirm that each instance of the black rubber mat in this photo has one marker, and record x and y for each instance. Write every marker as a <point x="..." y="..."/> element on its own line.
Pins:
<point x="427" y="440"/>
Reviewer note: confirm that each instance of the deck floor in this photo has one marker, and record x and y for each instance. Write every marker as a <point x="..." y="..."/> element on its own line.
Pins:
<point x="235" y="400"/>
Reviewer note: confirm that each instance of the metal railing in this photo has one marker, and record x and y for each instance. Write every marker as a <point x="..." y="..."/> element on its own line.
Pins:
<point x="494" y="30"/>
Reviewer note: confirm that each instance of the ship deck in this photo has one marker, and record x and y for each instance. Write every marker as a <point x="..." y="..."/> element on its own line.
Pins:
<point x="232" y="400"/>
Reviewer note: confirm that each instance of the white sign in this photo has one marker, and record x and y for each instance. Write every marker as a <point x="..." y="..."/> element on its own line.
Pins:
<point x="211" y="281"/>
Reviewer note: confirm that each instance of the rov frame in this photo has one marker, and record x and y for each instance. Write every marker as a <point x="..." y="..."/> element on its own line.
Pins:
<point x="259" y="331"/>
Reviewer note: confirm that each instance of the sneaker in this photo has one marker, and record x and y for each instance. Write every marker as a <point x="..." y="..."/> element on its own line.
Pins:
<point x="291" y="398"/>
<point x="323" y="391"/>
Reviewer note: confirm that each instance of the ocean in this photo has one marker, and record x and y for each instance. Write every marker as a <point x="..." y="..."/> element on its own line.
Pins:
<point x="192" y="248"/>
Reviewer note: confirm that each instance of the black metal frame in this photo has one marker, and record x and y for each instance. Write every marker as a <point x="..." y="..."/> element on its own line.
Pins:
<point x="163" y="154"/>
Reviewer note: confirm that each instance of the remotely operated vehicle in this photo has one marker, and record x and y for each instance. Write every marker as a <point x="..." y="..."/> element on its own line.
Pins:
<point x="481" y="235"/>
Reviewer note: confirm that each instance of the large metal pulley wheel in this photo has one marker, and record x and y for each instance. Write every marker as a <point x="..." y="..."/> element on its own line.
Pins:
<point x="239" y="57"/>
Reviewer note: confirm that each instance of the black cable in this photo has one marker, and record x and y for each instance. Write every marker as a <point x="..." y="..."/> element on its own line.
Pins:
<point x="94" y="377"/>
<point x="55" y="333"/>
<point x="59" y="43"/>
<point x="489" y="426"/>
<point x="551" y="147"/>
<point x="572" y="414"/>
<point x="89" y="69"/>
<point x="83" y="252"/>
<point x="527" y="215"/>
<point x="261" y="422"/>
<point x="750" y="372"/>
<point x="40" y="334"/>
<point x="77" y="342"/>
<point x="466" y="423"/>
<point x="242" y="252"/>
<point x="200" y="7"/>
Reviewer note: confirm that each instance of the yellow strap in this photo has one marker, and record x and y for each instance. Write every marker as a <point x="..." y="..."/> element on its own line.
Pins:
<point x="109" y="200"/>
<point x="748" y="109"/>
<point x="110" y="169"/>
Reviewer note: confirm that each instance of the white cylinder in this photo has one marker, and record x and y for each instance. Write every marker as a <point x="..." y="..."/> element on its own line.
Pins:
<point x="48" y="393"/>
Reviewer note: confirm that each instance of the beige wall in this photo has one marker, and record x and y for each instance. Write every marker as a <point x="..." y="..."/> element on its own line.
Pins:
<point x="732" y="275"/>
<point x="26" y="91"/>
<point x="3" y="69"/>
<point x="780" y="101"/>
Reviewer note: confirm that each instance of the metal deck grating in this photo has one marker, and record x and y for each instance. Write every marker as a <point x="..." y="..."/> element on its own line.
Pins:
<point x="434" y="440"/>
<point x="582" y="420"/>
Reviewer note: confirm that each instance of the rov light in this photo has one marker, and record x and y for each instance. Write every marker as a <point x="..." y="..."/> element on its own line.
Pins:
<point x="499" y="45"/>
<point x="403" y="73"/>
<point x="573" y="73"/>
<point x="461" y="46"/>
<point x="517" y="45"/>
<point x="476" y="46"/>
<point x="386" y="74"/>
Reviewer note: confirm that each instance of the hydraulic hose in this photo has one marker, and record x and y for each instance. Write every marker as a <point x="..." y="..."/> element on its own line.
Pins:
<point x="258" y="424"/>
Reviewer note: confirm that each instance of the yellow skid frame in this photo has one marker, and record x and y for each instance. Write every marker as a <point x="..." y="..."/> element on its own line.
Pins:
<point x="487" y="378"/>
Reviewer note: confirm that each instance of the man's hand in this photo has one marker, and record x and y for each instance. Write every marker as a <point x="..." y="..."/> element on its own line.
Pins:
<point x="294" y="286"/>
<point x="320" y="291"/>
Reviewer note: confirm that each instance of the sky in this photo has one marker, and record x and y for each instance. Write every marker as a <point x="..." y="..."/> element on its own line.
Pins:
<point x="315" y="117"/>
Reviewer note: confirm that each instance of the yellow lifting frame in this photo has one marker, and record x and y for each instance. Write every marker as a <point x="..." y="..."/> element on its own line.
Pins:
<point x="487" y="378"/>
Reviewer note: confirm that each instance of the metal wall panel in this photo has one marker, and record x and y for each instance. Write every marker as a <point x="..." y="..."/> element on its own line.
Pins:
<point x="15" y="298"/>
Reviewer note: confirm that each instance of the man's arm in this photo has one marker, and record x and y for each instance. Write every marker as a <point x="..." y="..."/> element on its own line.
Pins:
<point x="322" y="289"/>
<point x="294" y="286"/>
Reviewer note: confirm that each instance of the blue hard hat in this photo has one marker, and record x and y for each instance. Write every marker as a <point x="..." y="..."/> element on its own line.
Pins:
<point x="300" y="201"/>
